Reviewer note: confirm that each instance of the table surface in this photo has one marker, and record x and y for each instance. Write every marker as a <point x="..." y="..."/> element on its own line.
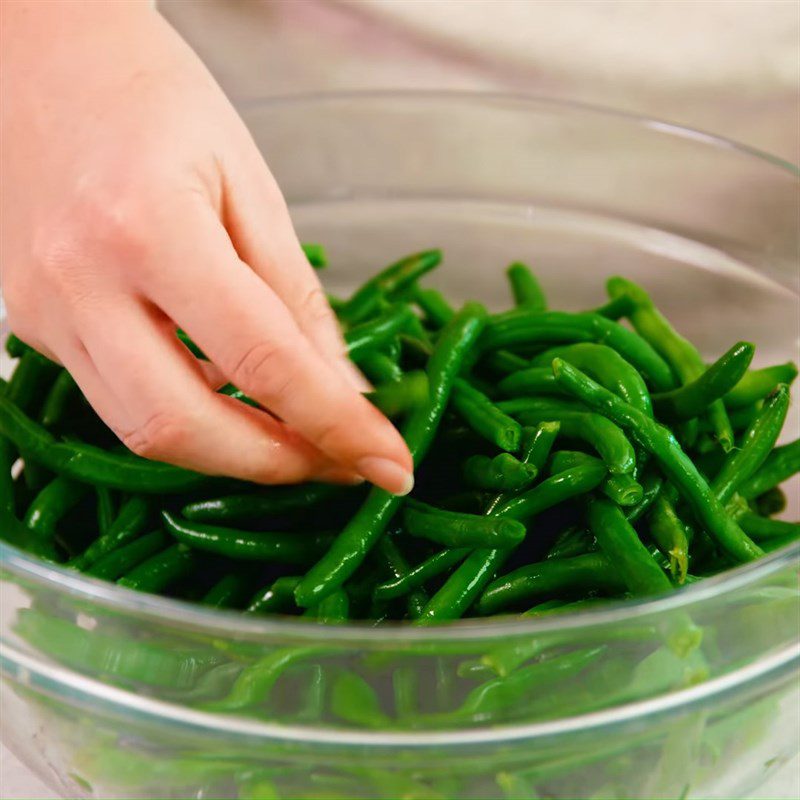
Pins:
<point x="18" y="783"/>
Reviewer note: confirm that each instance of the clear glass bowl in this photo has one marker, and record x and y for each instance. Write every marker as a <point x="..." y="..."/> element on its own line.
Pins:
<point x="116" y="694"/>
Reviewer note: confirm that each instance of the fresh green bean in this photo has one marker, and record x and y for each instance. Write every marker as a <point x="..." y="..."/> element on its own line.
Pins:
<point x="160" y="570"/>
<point x="438" y="312"/>
<point x="270" y="501"/>
<point x="484" y="417"/>
<point x="56" y="404"/>
<point x="763" y="528"/>
<point x="377" y="333"/>
<point x="756" y="445"/>
<point x="622" y="489"/>
<point x="591" y="572"/>
<point x="780" y="465"/>
<point x="523" y="326"/>
<point x="362" y="532"/>
<point x="625" y="551"/>
<point x="277" y="598"/>
<point x="401" y="569"/>
<point x="51" y="504"/>
<point x="230" y="591"/>
<point x="89" y="464"/>
<point x="693" y="398"/>
<point x="379" y="368"/>
<point x="526" y="288"/>
<point x="681" y="355"/>
<point x="388" y="283"/>
<point x="674" y="462"/>
<point x="123" y="559"/>
<point x="430" y="568"/>
<point x="316" y="255"/>
<point x="30" y="381"/>
<point x="670" y="533"/>
<point x="105" y="509"/>
<point x="756" y="384"/>
<point x="132" y="519"/>
<point x="607" y="367"/>
<point x="453" y="529"/>
<point x="272" y="546"/>
<point x="400" y="396"/>
<point x="503" y="472"/>
<point x="578" y="423"/>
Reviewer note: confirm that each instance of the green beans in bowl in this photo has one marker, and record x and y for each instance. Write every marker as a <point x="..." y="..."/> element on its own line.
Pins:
<point x="591" y="591"/>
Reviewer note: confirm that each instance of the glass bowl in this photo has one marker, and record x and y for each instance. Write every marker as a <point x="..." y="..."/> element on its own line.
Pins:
<point x="111" y="693"/>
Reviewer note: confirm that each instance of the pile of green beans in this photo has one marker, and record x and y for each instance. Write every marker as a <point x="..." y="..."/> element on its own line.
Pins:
<point x="560" y="456"/>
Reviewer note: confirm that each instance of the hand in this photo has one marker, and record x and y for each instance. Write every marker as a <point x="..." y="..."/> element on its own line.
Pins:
<point x="135" y="201"/>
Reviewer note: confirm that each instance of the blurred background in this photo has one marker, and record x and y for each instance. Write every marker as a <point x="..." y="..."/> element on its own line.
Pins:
<point x="731" y="67"/>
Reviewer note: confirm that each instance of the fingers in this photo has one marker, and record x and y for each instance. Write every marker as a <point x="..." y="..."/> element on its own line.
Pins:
<point x="244" y="328"/>
<point x="261" y="229"/>
<point x="148" y="390"/>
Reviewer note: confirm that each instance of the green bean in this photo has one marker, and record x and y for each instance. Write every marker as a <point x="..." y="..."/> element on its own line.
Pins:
<point x="652" y="486"/>
<point x="85" y="463"/>
<point x="761" y="528"/>
<point x="8" y="455"/>
<point x="316" y="255"/>
<point x="379" y="368"/>
<point x="625" y="551"/>
<point x="132" y="520"/>
<point x="377" y="333"/>
<point x="523" y="326"/>
<point x="526" y="288"/>
<point x="160" y="570"/>
<point x="756" y="384"/>
<point x="578" y="423"/>
<point x="280" y="548"/>
<point x="430" y="568"/>
<point x="271" y="501"/>
<point x="105" y="509"/>
<point x="51" y="504"/>
<point x="529" y="381"/>
<point x="388" y="283"/>
<point x="237" y="394"/>
<point x="502" y="472"/>
<point x="670" y="533"/>
<point x="123" y="559"/>
<point x="586" y="573"/>
<point x="615" y="309"/>
<point x="187" y="342"/>
<point x="230" y="591"/>
<point x="537" y="443"/>
<point x="756" y="445"/>
<point x="674" y="462"/>
<point x="401" y="570"/>
<point x="622" y="489"/>
<point x="679" y="353"/>
<point x="28" y="384"/>
<point x="693" y="398"/>
<point x="355" y="701"/>
<point x="484" y="417"/>
<point x="333" y="608"/>
<point x="607" y="367"/>
<point x="400" y="396"/>
<point x="780" y="465"/>
<point x="277" y="598"/>
<point x="365" y="528"/>
<point x="453" y="529"/>
<point x="771" y="502"/>
<point x="15" y="347"/>
<point x="62" y="392"/>
<point x="503" y="361"/>
<point x="572" y="541"/>
<point x="438" y="312"/>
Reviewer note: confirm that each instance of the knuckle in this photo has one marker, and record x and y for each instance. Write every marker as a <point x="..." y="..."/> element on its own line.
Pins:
<point x="162" y="435"/>
<point x="263" y="369"/>
<point x="314" y="305"/>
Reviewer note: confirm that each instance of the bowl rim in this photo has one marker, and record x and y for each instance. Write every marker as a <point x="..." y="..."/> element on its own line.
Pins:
<point x="194" y="616"/>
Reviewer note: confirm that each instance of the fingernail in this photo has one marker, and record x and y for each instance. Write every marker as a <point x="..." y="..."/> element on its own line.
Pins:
<point x="387" y="474"/>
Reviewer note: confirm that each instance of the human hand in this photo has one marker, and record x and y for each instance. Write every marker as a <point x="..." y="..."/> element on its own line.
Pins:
<point x="135" y="201"/>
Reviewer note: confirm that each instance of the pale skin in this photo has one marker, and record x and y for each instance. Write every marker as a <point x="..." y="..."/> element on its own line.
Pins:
<point x="134" y="201"/>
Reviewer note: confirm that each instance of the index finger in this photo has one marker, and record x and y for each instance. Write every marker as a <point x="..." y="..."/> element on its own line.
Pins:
<point x="245" y="328"/>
